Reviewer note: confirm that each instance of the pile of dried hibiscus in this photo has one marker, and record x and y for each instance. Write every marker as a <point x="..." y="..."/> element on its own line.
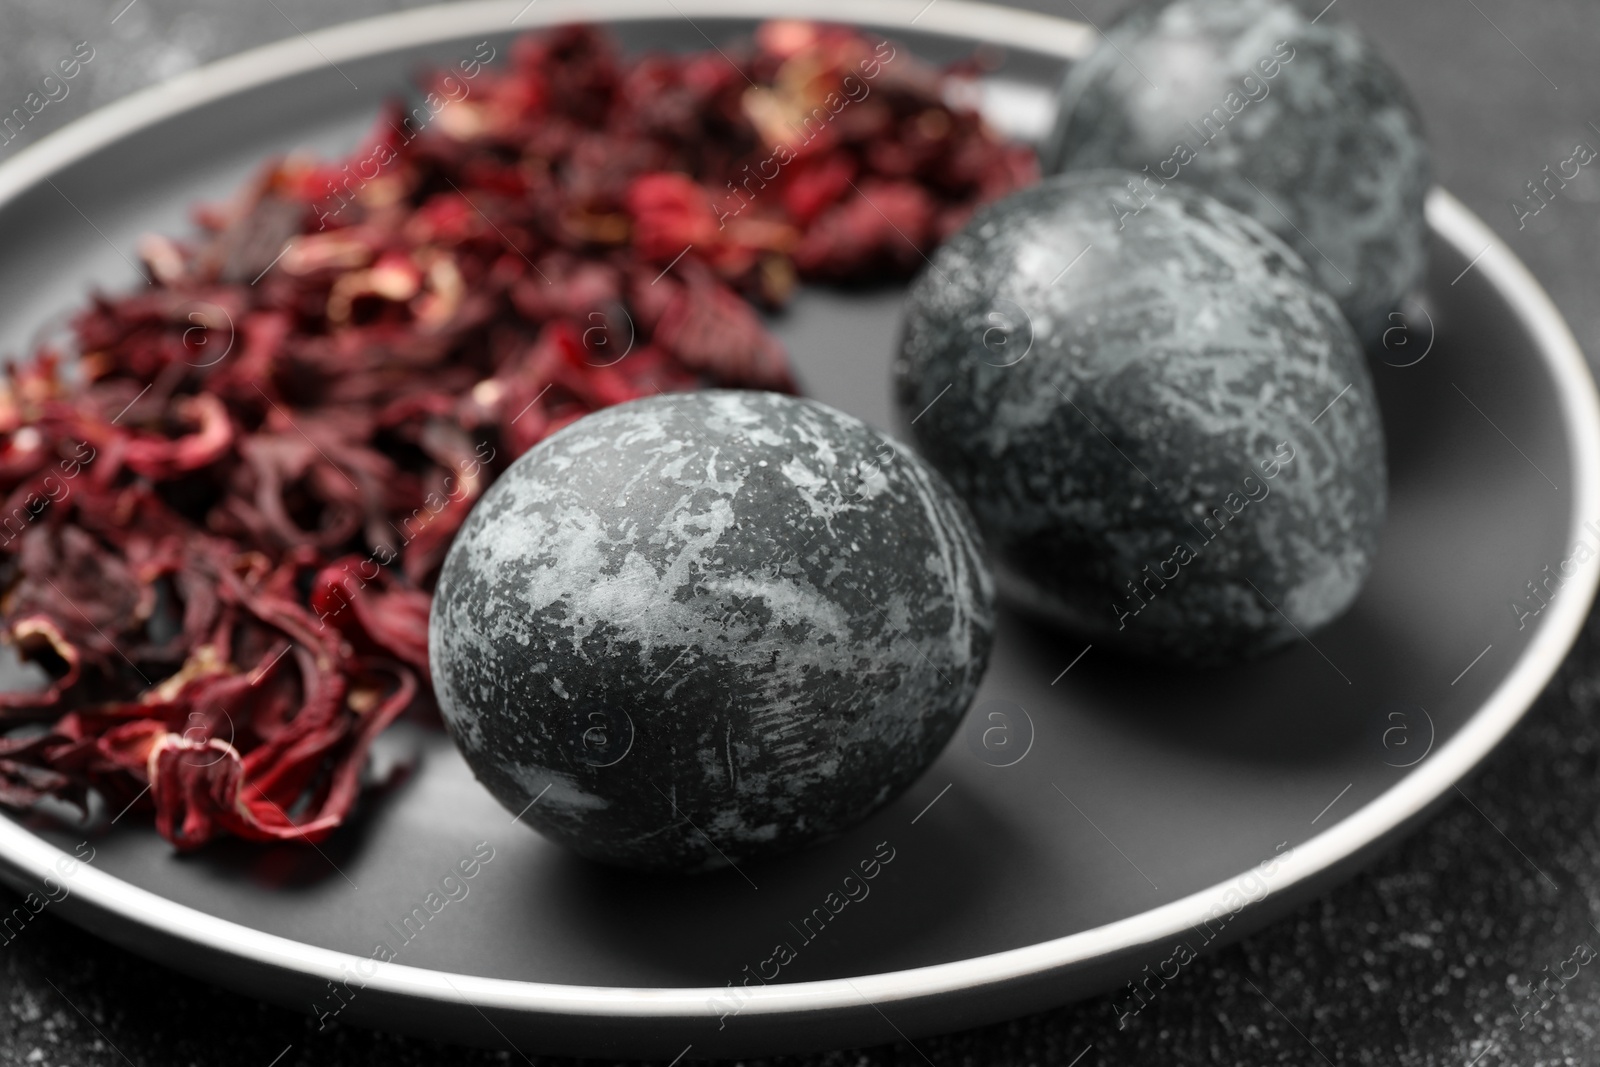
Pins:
<point x="222" y="520"/>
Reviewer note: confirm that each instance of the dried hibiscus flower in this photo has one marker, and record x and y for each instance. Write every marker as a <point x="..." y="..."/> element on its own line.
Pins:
<point x="220" y="530"/>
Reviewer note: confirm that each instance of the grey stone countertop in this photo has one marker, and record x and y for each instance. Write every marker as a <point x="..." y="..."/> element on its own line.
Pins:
<point x="1415" y="961"/>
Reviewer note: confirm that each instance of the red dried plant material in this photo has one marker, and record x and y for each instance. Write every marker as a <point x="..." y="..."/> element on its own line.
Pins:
<point x="221" y="529"/>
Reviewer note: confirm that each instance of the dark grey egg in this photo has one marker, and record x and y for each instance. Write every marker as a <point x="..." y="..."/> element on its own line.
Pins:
<point x="694" y="629"/>
<point x="1294" y="120"/>
<point x="1163" y="425"/>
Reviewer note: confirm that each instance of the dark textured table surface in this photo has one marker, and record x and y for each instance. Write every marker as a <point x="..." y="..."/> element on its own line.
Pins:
<point x="1425" y="958"/>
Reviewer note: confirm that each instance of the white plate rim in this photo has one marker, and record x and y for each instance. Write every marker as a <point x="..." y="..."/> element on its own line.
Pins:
<point x="1408" y="799"/>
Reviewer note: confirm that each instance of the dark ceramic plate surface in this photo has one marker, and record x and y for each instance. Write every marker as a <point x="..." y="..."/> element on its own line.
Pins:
<point x="1091" y="815"/>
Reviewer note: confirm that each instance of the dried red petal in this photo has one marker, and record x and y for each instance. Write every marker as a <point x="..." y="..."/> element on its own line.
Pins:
<point x="710" y="329"/>
<point x="671" y="212"/>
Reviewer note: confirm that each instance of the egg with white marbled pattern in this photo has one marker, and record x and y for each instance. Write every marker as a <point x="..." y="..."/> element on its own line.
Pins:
<point x="1165" y="429"/>
<point x="699" y="628"/>
<point x="1280" y="110"/>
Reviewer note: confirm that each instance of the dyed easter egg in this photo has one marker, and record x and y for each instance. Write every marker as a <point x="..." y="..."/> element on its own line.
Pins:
<point x="699" y="628"/>
<point x="1164" y="427"/>
<point x="1292" y="119"/>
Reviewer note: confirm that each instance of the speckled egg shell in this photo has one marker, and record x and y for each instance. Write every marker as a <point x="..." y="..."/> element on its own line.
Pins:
<point x="1328" y="153"/>
<point x="698" y="628"/>
<point x="1101" y="396"/>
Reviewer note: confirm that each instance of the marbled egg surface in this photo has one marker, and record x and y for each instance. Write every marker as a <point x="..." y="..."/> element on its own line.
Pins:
<point x="1298" y="123"/>
<point x="697" y="628"/>
<point x="1163" y="425"/>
